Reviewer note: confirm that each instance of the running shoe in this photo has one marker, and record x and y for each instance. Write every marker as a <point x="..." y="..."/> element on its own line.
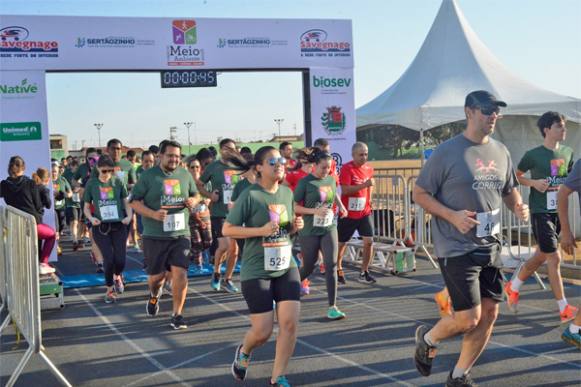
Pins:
<point x="511" y="297"/>
<point x="463" y="381"/>
<point x="365" y="277"/>
<point x="240" y="364"/>
<point x="59" y="250"/>
<point x="110" y="297"/>
<point x="322" y="268"/>
<point x="45" y="268"/>
<point x="571" y="338"/>
<point x="77" y="246"/>
<point x="177" y="322"/>
<point x="341" y="277"/>
<point x="444" y="304"/>
<point x="281" y="381"/>
<point x="86" y="241"/>
<point x="100" y="268"/>
<point x="305" y="287"/>
<point x="215" y="284"/>
<point x="335" y="314"/>
<point x="229" y="286"/>
<point x="425" y="353"/>
<point x="568" y="313"/>
<point x="118" y="284"/>
<point x="152" y="307"/>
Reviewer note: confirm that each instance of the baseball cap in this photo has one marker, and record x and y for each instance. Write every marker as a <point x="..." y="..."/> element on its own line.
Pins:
<point x="482" y="98"/>
<point x="55" y="164"/>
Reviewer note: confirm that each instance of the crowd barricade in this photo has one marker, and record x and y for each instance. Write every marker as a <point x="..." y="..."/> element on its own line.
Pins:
<point x="420" y="230"/>
<point x="3" y="281"/>
<point x="20" y="255"/>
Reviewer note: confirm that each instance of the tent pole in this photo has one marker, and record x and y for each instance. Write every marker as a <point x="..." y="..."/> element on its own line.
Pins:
<point x="422" y="148"/>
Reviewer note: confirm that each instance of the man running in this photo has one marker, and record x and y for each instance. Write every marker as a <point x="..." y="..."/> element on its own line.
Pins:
<point x="356" y="181"/>
<point x="162" y="196"/>
<point x="463" y="185"/>
<point x="549" y="165"/>
<point x="223" y="179"/>
<point x="286" y="150"/>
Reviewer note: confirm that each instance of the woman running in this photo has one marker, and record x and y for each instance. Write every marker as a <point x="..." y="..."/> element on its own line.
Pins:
<point x="112" y="214"/>
<point x="200" y="224"/>
<point x="314" y="198"/>
<point x="268" y="274"/>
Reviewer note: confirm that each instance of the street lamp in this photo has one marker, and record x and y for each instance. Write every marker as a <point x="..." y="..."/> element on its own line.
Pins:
<point x="187" y="125"/>
<point x="278" y="121"/>
<point x="99" y="126"/>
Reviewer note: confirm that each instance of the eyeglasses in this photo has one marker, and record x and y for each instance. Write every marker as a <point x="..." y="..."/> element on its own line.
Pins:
<point x="103" y="171"/>
<point x="488" y="110"/>
<point x="273" y="160"/>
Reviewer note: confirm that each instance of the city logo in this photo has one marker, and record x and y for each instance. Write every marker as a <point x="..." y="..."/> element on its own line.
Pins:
<point x="171" y="187"/>
<point x="23" y="89"/>
<point x="184" y="32"/>
<point x="558" y="167"/>
<point x="316" y="42"/>
<point x="331" y="82"/>
<point x="15" y="43"/>
<point x="326" y="194"/>
<point x="106" y="193"/>
<point x="249" y="42"/>
<point x="111" y="42"/>
<point x="338" y="162"/>
<point x="333" y="120"/>
<point x="182" y="52"/>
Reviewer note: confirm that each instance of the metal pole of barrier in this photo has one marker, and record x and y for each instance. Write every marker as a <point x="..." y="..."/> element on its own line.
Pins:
<point x="420" y="225"/>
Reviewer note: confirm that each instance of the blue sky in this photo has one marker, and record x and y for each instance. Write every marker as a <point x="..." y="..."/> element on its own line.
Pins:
<point x="539" y="40"/>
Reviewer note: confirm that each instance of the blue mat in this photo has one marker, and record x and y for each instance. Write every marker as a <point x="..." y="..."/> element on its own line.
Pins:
<point x="131" y="276"/>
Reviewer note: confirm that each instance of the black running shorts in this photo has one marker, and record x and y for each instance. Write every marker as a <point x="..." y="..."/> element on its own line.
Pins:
<point x="161" y="254"/>
<point x="259" y="293"/>
<point x="546" y="228"/>
<point x="346" y="227"/>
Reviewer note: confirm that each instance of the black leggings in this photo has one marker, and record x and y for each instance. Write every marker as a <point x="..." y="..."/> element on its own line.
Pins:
<point x="112" y="241"/>
<point x="60" y="220"/>
<point x="329" y="245"/>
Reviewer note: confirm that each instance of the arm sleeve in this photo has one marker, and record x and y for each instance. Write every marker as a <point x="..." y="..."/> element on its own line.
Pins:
<point x="123" y="188"/>
<point x="345" y="176"/>
<point x="240" y="212"/>
<point x="87" y="197"/>
<point x="207" y="173"/>
<point x="511" y="180"/>
<point x="433" y="173"/>
<point x="573" y="180"/>
<point x="193" y="190"/>
<point x="525" y="163"/>
<point x="139" y="189"/>
<point x="300" y="192"/>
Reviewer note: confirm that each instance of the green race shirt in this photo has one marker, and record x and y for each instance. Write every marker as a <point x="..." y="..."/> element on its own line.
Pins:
<point x="552" y="165"/>
<point x="69" y="175"/>
<point x="312" y="192"/>
<point x="60" y="185"/>
<point x="160" y="190"/>
<point x="241" y="186"/>
<point x="83" y="174"/>
<point x="139" y="171"/>
<point x="107" y="199"/>
<point x="254" y="208"/>
<point x="123" y="170"/>
<point x="223" y="179"/>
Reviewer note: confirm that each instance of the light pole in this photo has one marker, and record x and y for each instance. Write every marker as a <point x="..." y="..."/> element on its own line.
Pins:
<point x="187" y="125"/>
<point x="278" y="121"/>
<point x="99" y="126"/>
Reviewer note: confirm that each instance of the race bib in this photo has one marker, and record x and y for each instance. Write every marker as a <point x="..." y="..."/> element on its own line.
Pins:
<point x="323" y="221"/>
<point x="489" y="223"/>
<point x="109" y="212"/>
<point x="551" y="200"/>
<point x="227" y="195"/>
<point x="356" y="204"/>
<point x="59" y="203"/>
<point x="174" y="222"/>
<point x="76" y="197"/>
<point x="277" y="258"/>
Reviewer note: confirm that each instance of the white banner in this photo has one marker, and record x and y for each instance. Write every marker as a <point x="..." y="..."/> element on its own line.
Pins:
<point x="23" y="126"/>
<point x="333" y="110"/>
<point x="109" y="43"/>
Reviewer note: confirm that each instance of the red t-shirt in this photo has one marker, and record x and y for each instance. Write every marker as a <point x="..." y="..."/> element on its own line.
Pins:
<point x="293" y="178"/>
<point x="361" y="200"/>
<point x="290" y="164"/>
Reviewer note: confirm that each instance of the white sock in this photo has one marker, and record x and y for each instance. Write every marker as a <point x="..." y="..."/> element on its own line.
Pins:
<point x="515" y="284"/>
<point x="574" y="328"/>
<point x="458" y="372"/>
<point x="428" y="339"/>
<point x="562" y="304"/>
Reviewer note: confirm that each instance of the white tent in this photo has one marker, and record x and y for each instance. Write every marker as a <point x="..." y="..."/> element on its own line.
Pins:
<point x="452" y="62"/>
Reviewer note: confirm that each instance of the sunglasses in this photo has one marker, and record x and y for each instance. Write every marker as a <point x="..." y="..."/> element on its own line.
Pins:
<point x="273" y="160"/>
<point x="488" y="110"/>
<point x="103" y="171"/>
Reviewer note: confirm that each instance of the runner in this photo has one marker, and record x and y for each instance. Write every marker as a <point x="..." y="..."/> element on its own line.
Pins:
<point x="549" y="165"/>
<point x="223" y="179"/>
<point x="200" y="223"/>
<point x="572" y="334"/>
<point x="108" y="196"/>
<point x="73" y="206"/>
<point x="161" y="197"/>
<point x="463" y="185"/>
<point x="286" y="150"/>
<point x="264" y="217"/>
<point x="61" y="191"/>
<point x="314" y="198"/>
<point x="357" y="182"/>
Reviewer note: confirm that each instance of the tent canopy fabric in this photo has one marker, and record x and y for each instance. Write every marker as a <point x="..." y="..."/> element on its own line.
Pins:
<point x="452" y="62"/>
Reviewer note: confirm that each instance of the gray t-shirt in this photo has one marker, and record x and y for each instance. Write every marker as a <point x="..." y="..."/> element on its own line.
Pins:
<point x="573" y="180"/>
<point x="463" y="175"/>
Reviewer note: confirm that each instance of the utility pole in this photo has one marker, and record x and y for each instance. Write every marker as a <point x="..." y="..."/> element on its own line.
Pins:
<point x="278" y="121"/>
<point x="99" y="126"/>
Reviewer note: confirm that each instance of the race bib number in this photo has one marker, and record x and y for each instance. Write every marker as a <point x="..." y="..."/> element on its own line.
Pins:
<point x="227" y="195"/>
<point x="174" y="222"/>
<point x="76" y="197"/>
<point x="323" y="221"/>
<point x="109" y="213"/>
<point x="356" y="204"/>
<point x="551" y="200"/>
<point x="59" y="203"/>
<point x="277" y="258"/>
<point x="489" y="223"/>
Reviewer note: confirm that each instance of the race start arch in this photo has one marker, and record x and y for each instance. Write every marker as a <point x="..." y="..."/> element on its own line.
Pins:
<point x="31" y="46"/>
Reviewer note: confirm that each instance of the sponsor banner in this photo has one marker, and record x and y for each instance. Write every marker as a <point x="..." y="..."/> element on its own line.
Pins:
<point x="23" y="125"/>
<point x="116" y="43"/>
<point x="333" y="110"/>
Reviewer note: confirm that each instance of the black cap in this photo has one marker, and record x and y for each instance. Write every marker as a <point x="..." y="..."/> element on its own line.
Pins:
<point x="154" y="149"/>
<point x="482" y="98"/>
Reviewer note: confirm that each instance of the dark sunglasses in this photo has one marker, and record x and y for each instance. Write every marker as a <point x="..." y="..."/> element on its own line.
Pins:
<point x="273" y="160"/>
<point x="488" y="110"/>
<point x="106" y="171"/>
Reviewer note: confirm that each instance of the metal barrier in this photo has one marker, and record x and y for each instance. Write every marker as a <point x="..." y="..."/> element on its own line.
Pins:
<point x="22" y="290"/>
<point x="390" y="207"/>
<point x="420" y="224"/>
<point x="3" y="280"/>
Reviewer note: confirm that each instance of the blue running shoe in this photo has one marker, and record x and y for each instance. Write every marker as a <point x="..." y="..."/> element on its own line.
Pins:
<point x="229" y="286"/>
<point x="215" y="284"/>
<point x="240" y="364"/>
<point x="281" y="381"/>
<point x="572" y="338"/>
